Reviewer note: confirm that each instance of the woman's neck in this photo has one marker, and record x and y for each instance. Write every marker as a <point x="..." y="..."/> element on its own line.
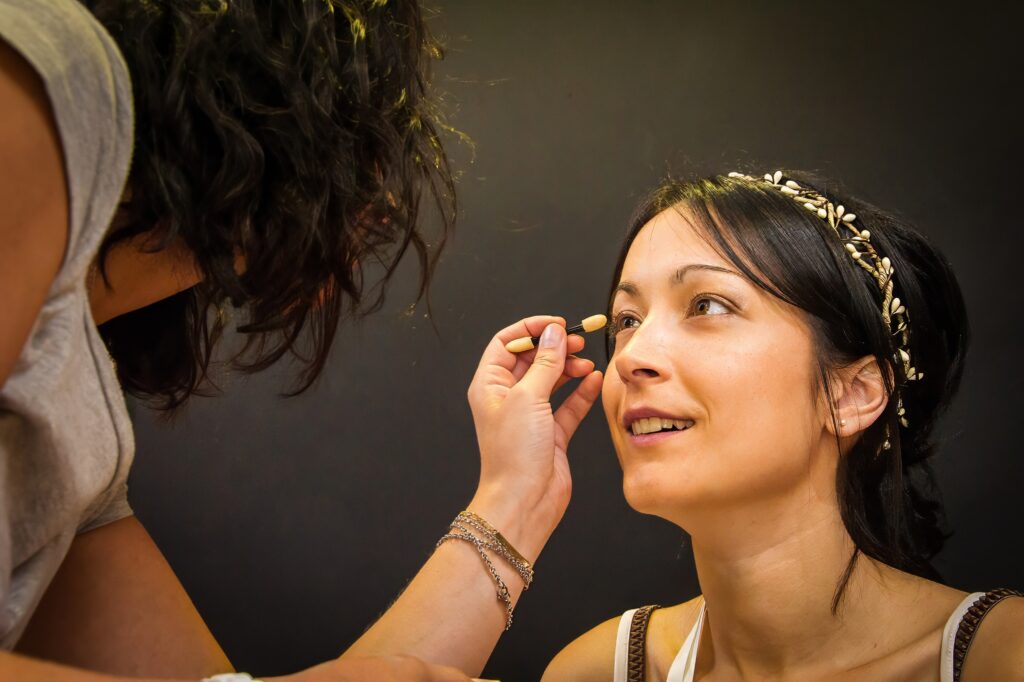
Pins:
<point x="769" y="579"/>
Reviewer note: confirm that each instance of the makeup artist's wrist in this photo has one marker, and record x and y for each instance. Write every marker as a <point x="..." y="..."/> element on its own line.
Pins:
<point x="524" y="523"/>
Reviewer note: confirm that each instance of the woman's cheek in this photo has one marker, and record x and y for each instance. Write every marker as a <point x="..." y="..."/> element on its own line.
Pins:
<point x="756" y="423"/>
<point x="611" y="393"/>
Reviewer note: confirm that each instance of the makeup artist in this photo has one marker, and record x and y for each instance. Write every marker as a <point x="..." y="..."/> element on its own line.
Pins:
<point x="168" y="167"/>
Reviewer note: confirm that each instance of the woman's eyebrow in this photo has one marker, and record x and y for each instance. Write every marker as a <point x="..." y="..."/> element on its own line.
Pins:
<point x="678" y="277"/>
<point x="681" y="273"/>
<point x="625" y="287"/>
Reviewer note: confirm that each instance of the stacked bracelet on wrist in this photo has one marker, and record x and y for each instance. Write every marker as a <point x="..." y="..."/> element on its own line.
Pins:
<point x="471" y="528"/>
<point x="497" y="543"/>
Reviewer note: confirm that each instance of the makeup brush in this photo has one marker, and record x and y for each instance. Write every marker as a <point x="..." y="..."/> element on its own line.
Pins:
<point x="591" y="324"/>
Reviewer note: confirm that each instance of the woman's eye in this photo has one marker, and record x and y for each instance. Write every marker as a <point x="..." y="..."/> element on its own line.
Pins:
<point x="705" y="305"/>
<point x="624" y="321"/>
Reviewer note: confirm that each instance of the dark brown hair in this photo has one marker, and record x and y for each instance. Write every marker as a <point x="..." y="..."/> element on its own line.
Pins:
<point x="887" y="497"/>
<point x="297" y="135"/>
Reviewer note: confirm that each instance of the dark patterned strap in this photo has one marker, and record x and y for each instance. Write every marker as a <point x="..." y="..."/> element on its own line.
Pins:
<point x="637" y="639"/>
<point x="971" y="621"/>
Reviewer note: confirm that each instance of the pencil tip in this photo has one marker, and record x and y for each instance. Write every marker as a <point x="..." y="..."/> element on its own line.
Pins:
<point x="595" y="322"/>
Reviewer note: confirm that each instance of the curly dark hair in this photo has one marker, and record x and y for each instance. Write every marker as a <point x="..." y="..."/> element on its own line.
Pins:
<point x="294" y="136"/>
<point x="888" y="498"/>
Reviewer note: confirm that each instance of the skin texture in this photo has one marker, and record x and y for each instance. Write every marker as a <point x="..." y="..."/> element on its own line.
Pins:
<point x="116" y="607"/>
<point x="136" y="277"/>
<point x="753" y="482"/>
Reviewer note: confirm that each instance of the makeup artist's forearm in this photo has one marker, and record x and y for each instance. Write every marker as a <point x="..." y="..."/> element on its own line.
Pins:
<point x="450" y="614"/>
<point x="24" y="669"/>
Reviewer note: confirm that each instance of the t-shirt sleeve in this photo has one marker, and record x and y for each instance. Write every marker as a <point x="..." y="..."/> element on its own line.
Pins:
<point x="89" y="89"/>
<point x="115" y="509"/>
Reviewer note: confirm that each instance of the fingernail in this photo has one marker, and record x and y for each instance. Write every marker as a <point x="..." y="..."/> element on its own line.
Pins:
<point x="549" y="339"/>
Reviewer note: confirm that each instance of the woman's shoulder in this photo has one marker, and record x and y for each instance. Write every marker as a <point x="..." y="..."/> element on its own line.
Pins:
<point x="591" y="656"/>
<point x="932" y="612"/>
<point x="997" y="651"/>
<point x="668" y="631"/>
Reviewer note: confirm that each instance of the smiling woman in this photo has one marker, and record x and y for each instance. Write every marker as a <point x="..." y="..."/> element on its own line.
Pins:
<point x="761" y="395"/>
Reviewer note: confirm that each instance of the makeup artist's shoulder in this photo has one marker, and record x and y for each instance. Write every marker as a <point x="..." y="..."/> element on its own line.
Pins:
<point x="591" y="656"/>
<point x="997" y="652"/>
<point x="34" y="217"/>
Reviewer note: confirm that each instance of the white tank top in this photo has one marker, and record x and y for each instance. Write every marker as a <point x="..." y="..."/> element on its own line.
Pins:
<point x="685" y="662"/>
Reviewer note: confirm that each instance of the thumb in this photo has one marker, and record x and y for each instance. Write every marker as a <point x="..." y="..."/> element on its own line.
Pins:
<point x="548" y="363"/>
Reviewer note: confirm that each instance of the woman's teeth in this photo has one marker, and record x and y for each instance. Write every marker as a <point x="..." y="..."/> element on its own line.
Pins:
<point x="655" y="424"/>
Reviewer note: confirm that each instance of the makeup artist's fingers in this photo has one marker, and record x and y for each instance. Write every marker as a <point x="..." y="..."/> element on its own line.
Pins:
<point x="525" y="360"/>
<point x="548" y="364"/>
<point x="528" y="326"/>
<point x="575" y="368"/>
<point x="574" y="408"/>
<point x="496" y="354"/>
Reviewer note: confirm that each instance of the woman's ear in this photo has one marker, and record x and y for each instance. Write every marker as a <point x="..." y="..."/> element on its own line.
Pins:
<point x="859" y="397"/>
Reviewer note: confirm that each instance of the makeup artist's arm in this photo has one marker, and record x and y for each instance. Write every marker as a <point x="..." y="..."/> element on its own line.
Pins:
<point x="123" y="605"/>
<point x="449" y="613"/>
<point x="34" y="218"/>
<point x="116" y="612"/>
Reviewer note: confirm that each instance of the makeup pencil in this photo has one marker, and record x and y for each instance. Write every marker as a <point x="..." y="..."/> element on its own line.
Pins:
<point x="591" y="324"/>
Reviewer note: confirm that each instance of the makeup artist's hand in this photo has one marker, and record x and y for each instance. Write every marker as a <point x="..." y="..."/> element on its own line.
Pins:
<point x="524" y="472"/>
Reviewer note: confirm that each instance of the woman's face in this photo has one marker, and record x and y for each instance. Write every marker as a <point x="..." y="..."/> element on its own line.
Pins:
<point x="698" y="344"/>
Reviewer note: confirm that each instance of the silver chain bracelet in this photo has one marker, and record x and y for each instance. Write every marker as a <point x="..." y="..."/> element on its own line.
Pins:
<point x="487" y="537"/>
<point x="504" y="550"/>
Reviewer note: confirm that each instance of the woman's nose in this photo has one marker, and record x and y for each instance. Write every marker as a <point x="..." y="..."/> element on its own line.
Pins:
<point x="643" y="357"/>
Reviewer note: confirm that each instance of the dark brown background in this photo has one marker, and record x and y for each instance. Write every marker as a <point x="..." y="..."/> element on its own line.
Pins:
<point x="293" y="523"/>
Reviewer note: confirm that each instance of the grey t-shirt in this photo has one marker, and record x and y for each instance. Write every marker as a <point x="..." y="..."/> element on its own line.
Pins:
<point x="65" y="438"/>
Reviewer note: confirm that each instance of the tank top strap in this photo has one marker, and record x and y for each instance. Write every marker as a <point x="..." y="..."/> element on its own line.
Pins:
<point x="622" y="646"/>
<point x="685" y="662"/>
<point x="957" y="637"/>
<point x="961" y="627"/>
<point x="630" y="655"/>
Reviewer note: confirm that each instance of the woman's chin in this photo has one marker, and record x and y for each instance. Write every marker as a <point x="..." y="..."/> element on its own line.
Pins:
<point x="672" y="493"/>
<point x="651" y="495"/>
